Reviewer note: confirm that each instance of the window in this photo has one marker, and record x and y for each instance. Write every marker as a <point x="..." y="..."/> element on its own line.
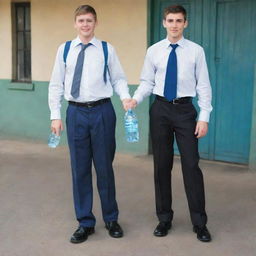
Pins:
<point x="21" y="42"/>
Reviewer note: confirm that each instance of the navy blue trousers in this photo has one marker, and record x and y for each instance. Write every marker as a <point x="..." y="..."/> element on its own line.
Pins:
<point x="91" y="137"/>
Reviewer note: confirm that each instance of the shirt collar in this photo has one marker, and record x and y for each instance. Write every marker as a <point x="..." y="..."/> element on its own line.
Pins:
<point x="181" y="42"/>
<point x="94" y="41"/>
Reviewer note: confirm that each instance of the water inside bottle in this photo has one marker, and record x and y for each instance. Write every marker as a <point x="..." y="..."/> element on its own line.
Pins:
<point x="53" y="140"/>
<point x="131" y="127"/>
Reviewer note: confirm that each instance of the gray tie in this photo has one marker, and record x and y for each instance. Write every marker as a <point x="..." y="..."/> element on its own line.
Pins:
<point x="78" y="72"/>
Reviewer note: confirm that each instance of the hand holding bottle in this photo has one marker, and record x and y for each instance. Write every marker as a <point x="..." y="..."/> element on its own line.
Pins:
<point x="54" y="137"/>
<point x="57" y="126"/>
<point x="131" y="104"/>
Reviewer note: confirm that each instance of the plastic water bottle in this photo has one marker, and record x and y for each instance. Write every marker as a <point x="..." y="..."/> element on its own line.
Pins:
<point x="131" y="126"/>
<point x="53" y="140"/>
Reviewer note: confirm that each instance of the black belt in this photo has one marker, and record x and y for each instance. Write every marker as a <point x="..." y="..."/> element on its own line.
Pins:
<point x="182" y="100"/>
<point x="89" y="104"/>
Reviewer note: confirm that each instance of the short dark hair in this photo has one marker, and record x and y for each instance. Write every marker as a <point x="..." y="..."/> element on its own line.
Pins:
<point x="175" y="9"/>
<point x="84" y="9"/>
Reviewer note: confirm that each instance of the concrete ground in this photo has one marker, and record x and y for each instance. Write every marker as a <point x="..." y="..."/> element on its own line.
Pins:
<point x="37" y="216"/>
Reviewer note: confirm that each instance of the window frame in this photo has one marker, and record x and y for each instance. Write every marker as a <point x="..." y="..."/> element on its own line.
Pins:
<point x="25" y="32"/>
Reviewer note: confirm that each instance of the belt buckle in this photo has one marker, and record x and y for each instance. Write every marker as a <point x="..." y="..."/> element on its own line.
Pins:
<point x="89" y="104"/>
<point x="174" y="101"/>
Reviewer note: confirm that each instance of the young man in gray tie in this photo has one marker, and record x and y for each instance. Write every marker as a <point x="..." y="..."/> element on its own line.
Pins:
<point x="175" y="70"/>
<point x="86" y="75"/>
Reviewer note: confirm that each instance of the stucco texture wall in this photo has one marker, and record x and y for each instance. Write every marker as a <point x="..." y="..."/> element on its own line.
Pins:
<point x="24" y="110"/>
<point x="123" y="23"/>
<point x="5" y="39"/>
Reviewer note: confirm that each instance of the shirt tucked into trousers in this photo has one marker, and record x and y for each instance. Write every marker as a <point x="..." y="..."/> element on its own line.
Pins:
<point x="91" y="137"/>
<point x="170" y="120"/>
<point x="90" y="128"/>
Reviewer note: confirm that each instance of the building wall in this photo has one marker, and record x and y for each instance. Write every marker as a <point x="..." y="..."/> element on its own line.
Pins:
<point x="123" y="23"/>
<point x="23" y="108"/>
<point x="5" y="39"/>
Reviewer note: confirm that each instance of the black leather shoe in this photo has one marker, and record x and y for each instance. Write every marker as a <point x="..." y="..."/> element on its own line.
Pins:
<point x="114" y="229"/>
<point x="203" y="233"/>
<point x="162" y="228"/>
<point x="81" y="234"/>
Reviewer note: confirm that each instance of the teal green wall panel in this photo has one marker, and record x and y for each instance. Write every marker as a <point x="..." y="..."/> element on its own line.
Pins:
<point x="234" y="78"/>
<point x="252" y="157"/>
<point x="24" y="114"/>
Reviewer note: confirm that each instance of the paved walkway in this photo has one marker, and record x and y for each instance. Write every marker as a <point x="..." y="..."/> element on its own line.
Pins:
<point x="37" y="217"/>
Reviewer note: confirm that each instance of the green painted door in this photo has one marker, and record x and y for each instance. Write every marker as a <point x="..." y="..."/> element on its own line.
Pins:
<point x="235" y="48"/>
<point x="225" y="28"/>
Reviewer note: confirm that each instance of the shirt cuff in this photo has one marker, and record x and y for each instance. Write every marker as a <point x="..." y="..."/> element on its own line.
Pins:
<point x="138" y="98"/>
<point x="55" y="115"/>
<point x="204" y="116"/>
<point x="125" y="96"/>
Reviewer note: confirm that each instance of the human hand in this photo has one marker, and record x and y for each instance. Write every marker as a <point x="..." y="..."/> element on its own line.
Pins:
<point x="201" y="129"/>
<point x="132" y="104"/>
<point x="126" y="103"/>
<point x="57" y="126"/>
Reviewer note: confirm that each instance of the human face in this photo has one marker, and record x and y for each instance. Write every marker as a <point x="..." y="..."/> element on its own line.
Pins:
<point x="175" y="24"/>
<point x="85" y="25"/>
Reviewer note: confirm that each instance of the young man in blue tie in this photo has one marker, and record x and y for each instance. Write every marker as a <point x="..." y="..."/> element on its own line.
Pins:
<point x="175" y="70"/>
<point x="86" y="72"/>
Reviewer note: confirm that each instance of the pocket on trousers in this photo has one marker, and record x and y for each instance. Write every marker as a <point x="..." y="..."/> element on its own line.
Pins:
<point x="187" y="108"/>
<point x="152" y="106"/>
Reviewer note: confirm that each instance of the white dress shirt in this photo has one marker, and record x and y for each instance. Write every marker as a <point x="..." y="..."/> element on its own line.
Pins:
<point x="192" y="77"/>
<point x="92" y="86"/>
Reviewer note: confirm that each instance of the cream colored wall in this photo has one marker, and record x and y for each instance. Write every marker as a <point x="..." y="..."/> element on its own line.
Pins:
<point x="123" y="23"/>
<point x="5" y="39"/>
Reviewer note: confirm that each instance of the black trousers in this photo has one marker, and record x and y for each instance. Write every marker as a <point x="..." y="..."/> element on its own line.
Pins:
<point x="166" y="121"/>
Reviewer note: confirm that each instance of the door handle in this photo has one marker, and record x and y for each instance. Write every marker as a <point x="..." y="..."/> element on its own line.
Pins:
<point x="217" y="59"/>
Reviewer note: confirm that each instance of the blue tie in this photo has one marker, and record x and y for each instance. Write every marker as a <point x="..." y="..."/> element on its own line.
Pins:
<point x="78" y="72"/>
<point x="170" y="85"/>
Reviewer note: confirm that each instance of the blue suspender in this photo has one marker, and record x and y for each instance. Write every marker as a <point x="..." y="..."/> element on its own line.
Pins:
<point x="105" y="51"/>
<point x="66" y="50"/>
